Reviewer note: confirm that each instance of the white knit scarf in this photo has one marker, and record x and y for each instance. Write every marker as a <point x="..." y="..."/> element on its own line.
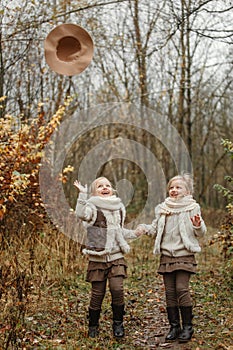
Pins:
<point x="111" y="207"/>
<point x="180" y="207"/>
<point x="177" y="205"/>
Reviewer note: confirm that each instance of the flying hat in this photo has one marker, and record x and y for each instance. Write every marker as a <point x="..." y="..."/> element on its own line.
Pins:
<point x="68" y="49"/>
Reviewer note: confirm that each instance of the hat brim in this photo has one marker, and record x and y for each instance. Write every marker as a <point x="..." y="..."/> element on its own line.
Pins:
<point x="68" y="49"/>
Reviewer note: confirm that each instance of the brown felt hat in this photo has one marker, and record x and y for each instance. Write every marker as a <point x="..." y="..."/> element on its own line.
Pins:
<point x="68" y="49"/>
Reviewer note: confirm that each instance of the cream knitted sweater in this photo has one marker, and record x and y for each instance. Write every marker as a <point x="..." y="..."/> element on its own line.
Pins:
<point x="172" y="227"/>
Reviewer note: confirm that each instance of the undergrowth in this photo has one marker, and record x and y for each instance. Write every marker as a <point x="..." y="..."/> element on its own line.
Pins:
<point x="44" y="299"/>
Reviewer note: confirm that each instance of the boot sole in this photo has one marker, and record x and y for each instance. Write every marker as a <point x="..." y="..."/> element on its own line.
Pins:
<point x="184" y="341"/>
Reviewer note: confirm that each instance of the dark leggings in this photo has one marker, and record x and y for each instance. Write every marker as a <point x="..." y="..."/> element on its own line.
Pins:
<point x="99" y="289"/>
<point x="177" y="288"/>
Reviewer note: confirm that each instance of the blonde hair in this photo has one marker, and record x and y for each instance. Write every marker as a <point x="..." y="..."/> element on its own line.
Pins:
<point x="93" y="184"/>
<point x="186" y="178"/>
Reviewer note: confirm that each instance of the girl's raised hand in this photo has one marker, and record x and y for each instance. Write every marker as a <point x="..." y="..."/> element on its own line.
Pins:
<point x="80" y="187"/>
<point x="196" y="220"/>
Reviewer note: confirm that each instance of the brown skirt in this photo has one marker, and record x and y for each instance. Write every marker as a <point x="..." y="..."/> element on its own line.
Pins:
<point x="170" y="264"/>
<point x="100" y="271"/>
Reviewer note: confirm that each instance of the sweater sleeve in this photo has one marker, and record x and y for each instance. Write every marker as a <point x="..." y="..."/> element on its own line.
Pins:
<point x="129" y="234"/>
<point x="83" y="210"/>
<point x="151" y="230"/>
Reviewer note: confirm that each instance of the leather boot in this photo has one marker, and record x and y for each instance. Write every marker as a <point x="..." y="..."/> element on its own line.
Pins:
<point x="174" y="321"/>
<point x="118" y="327"/>
<point x="93" y="327"/>
<point x="187" y="327"/>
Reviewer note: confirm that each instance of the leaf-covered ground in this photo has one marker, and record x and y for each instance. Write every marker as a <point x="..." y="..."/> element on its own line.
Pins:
<point x="54" y="315"/>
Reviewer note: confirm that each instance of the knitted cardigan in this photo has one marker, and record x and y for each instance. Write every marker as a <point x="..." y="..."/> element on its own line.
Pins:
<point x="114" y="213"/>
<point x="183" y="208"/>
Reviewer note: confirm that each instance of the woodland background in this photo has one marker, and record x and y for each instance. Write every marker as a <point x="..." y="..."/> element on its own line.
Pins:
<point x="173" y="57"/>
